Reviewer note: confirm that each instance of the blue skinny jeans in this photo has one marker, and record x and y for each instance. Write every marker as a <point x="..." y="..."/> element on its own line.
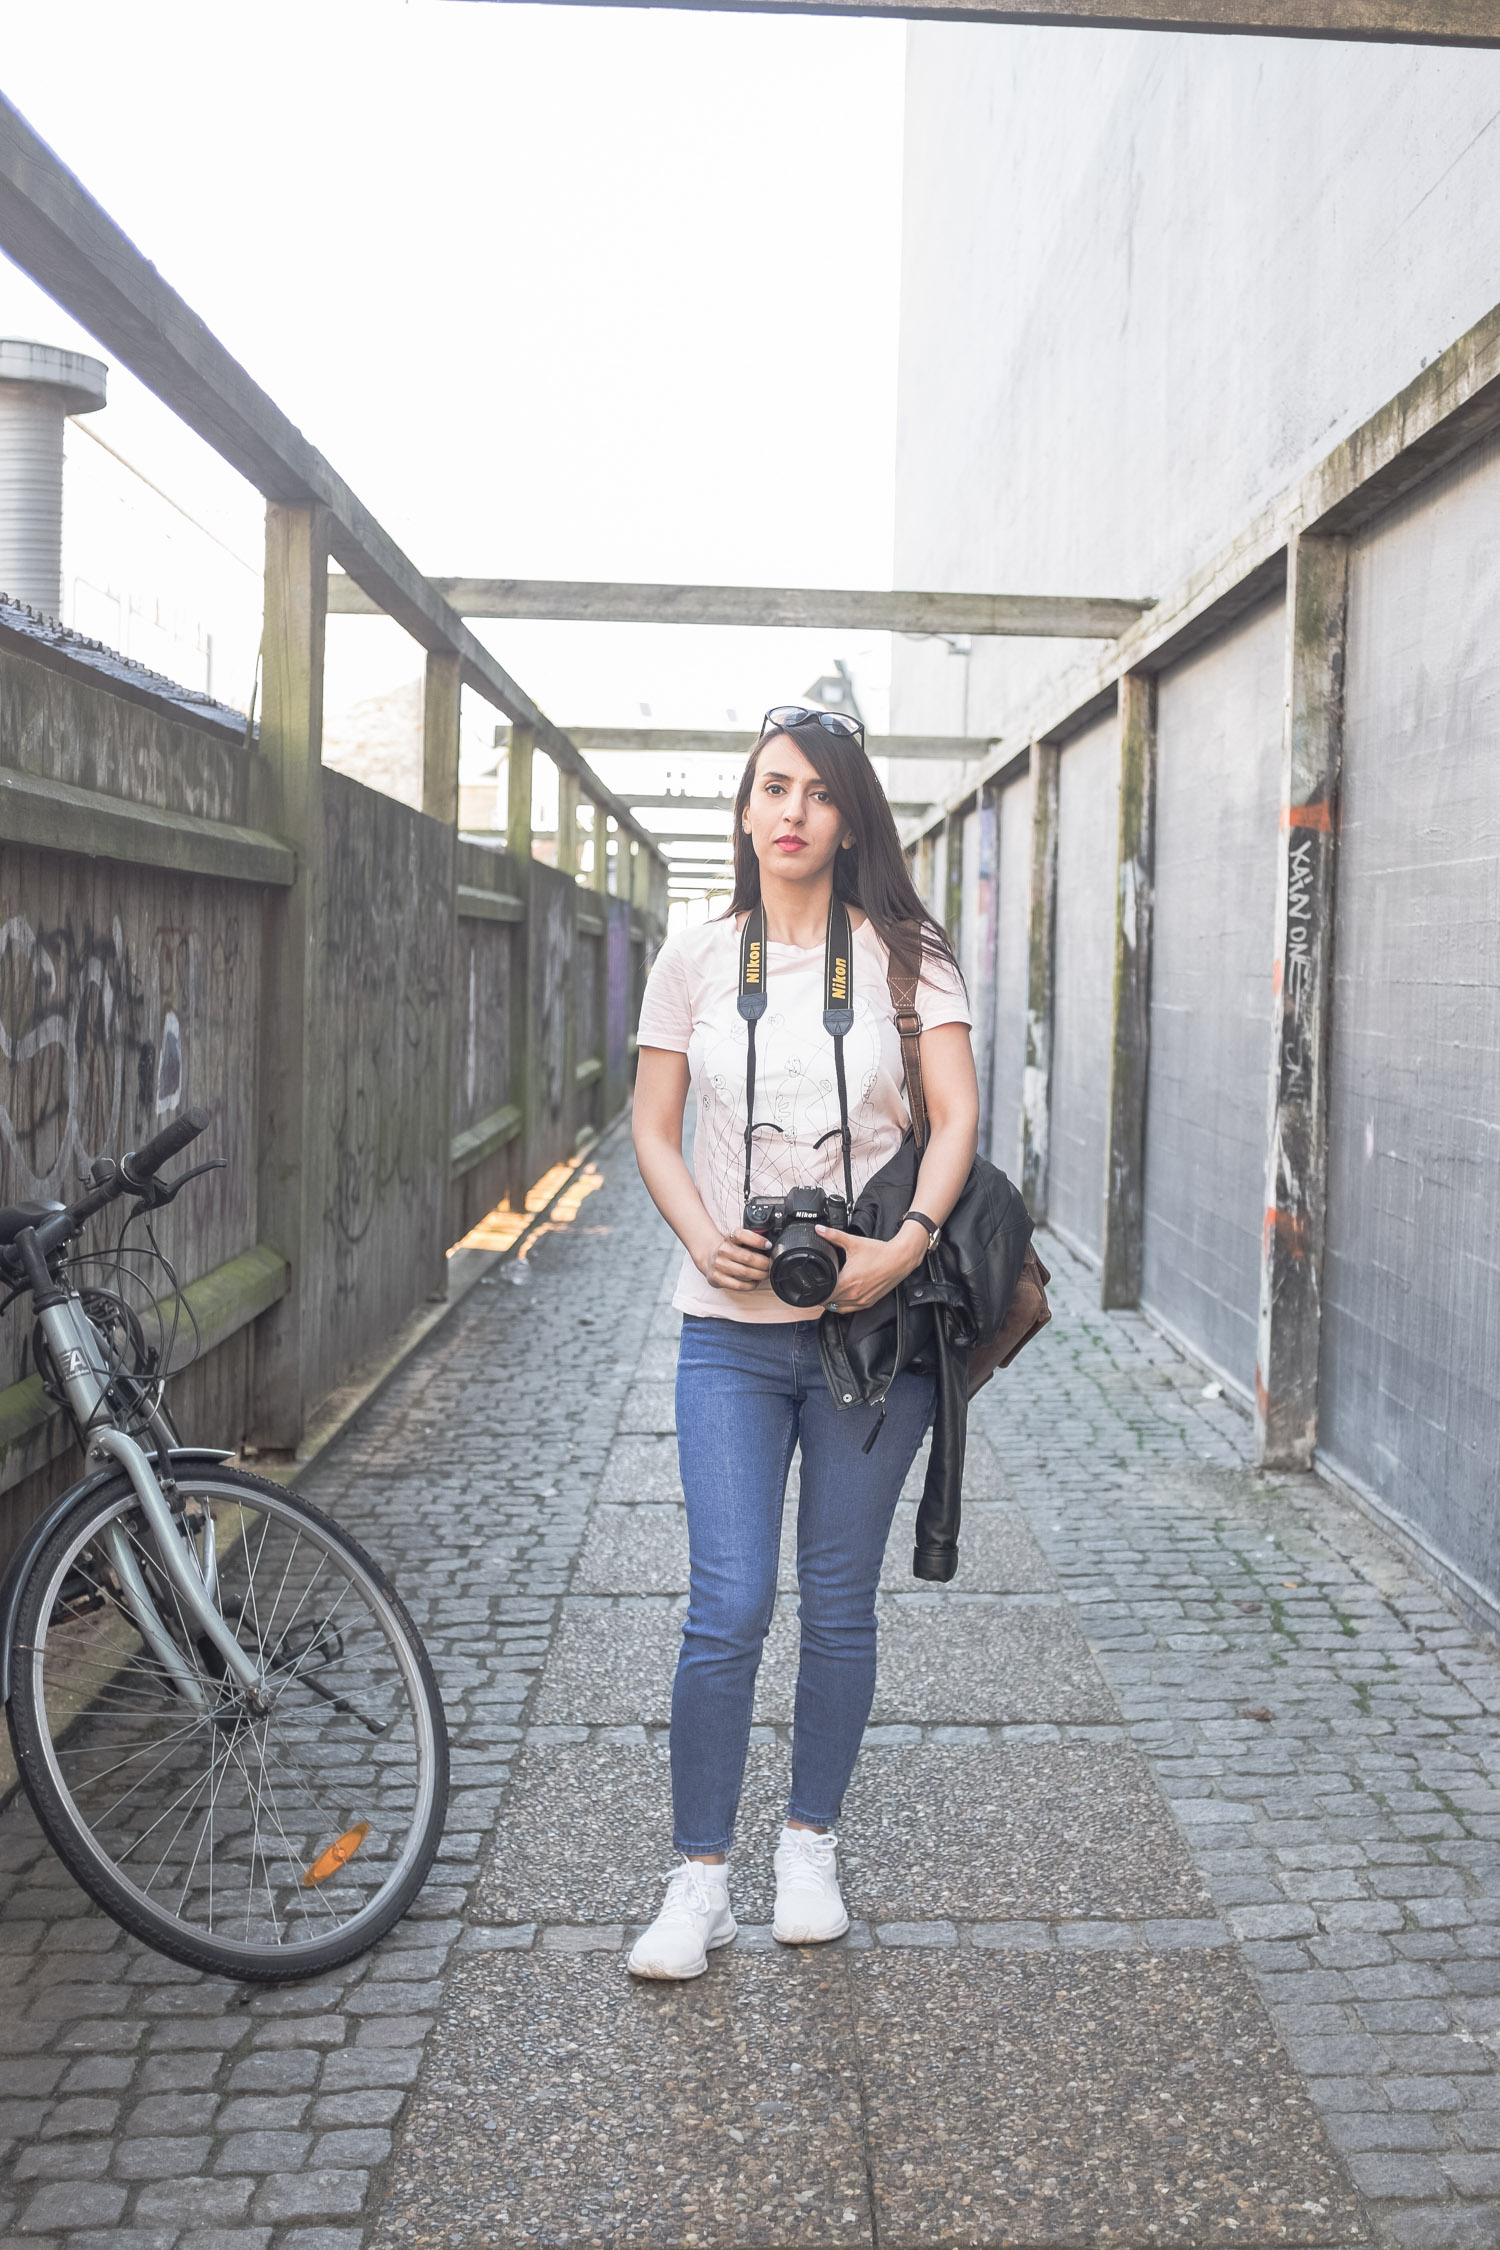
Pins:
<point x="746" y="1394"/>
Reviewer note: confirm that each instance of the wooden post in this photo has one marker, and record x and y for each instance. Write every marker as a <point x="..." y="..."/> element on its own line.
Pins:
<point x="440" y="744"/>
<point x="440" y="706"/>
<point x="518" y="802"/>
<point x="953" y="881"/>
<point x="1130" y="1045"/>
<point x="290" y="790"/>
<point x="1292" y="1238"/>
<point x="599" y="880"/>
<point x="1036" y="1085"/>
<point x="567" y="823"/>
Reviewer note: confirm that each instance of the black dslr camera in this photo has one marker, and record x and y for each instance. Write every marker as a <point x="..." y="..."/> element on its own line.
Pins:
<point x="804" y="1268"/>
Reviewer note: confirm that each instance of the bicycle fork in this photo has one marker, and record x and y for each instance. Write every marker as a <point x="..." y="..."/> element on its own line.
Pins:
<point x="77" y="1356"/>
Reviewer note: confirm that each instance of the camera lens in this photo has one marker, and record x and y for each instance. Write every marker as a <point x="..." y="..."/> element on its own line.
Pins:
<point x="804" y="1268"/>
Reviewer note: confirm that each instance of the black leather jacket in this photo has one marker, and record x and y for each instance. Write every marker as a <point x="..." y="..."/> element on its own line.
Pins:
<point x="959" y="1294"/>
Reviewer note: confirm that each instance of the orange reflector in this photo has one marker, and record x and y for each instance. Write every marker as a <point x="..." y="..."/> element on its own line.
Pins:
<point x="338" y="1854"/>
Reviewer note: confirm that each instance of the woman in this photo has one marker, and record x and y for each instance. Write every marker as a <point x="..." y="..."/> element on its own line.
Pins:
<point x="811" y="825"/>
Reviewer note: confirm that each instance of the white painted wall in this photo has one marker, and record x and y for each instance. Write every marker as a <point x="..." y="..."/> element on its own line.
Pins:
<point x="1146" y="282"/>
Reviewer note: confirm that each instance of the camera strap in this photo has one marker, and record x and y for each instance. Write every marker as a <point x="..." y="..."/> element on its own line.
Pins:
<point x="838" y="1020"/>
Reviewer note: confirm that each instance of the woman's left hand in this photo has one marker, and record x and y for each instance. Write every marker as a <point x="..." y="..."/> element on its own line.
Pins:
<point x="872" y="1269"/>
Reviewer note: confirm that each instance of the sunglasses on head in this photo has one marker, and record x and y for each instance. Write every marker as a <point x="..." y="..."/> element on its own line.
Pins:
<point x="784" y="715"/>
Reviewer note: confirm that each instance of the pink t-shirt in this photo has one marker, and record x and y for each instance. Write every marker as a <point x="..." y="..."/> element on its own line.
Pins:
<point x="689" y="1006"/>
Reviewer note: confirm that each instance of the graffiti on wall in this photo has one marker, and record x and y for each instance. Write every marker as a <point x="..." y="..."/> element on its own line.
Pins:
<point x="94" y="1040"/>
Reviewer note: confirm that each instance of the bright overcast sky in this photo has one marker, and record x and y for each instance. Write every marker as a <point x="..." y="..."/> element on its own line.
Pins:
<point x="562" y="292"/>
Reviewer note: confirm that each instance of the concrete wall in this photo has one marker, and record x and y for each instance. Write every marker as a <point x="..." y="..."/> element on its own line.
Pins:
<point x="1146" y="281"/>
<point x="1219" y="727"/>
<point x="1088" y="819"/>
<point x="1409" y="1392"/>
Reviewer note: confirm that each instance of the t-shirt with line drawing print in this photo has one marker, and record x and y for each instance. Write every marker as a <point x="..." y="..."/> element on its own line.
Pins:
<point x="689" y="1006"/>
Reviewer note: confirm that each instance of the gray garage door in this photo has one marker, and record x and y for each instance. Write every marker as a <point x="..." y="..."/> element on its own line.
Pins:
<point x="1219" y="729"/>
<point x="1410" y="1387"/>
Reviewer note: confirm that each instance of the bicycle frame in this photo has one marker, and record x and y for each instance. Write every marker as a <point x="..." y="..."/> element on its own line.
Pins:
<point x="79" y="1358"/>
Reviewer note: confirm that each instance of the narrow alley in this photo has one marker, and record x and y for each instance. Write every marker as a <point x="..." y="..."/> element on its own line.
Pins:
<point x="1174" y="1856"/>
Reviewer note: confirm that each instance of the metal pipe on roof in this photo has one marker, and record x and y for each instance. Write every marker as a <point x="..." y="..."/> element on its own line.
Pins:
<point x="40" y="386"/>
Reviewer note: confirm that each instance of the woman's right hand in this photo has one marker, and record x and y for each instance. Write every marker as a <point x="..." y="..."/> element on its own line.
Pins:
<point x="741" y="1261"/>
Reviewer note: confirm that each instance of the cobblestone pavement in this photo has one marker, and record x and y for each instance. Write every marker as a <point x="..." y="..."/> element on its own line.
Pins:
<point x="1173" y="1857"/>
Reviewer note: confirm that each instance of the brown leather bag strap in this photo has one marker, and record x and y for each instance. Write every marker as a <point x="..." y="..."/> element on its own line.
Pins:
<point x="903" y="975"/>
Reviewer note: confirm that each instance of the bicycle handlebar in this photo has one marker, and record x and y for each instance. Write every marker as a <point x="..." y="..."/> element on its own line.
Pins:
<point x="133" y="1174"/>
<point x="140" y="1164"/>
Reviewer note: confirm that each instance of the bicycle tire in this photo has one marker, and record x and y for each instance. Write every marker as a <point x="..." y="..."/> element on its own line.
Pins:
<point x="131" y="1694"/>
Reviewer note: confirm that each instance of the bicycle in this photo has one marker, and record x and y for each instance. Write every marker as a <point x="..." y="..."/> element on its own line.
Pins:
<point x="220" y="1709"/>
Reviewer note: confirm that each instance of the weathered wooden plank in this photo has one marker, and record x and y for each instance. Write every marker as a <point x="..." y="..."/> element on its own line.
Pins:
<point x="1130" y="1044"/>
<point x="442" y="692"/>
<point x="476" y="1142"/>
<point x="1068" y="616"/>
<point x="286" y="1139"/>
<point x="54" y="816"/>
<point x="441" y="711"/>
<point x="1422" y="23"/>
<point x="476" y="905"/>
<point x="1292" y="1241"/>
<point x="518" y="792"/>
<point x="72" y="711"/>
<point x="383" y="1074"/>
<point x="1036" y="1086"/>
<point x="567" y="824"/>
<point x="661" y="803"/>
<point x="736" y="742"/>
<point x="590" y="924"/>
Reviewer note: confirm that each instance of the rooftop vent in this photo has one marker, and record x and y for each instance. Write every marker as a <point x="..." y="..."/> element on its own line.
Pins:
<point x="39" y="387"/>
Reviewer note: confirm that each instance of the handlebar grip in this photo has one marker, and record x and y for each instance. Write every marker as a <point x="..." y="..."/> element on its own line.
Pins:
<point x="140" y="1163"/>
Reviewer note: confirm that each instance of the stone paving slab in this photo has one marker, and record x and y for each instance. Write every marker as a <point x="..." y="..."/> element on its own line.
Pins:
<point x="641" y="1469"/>
<point x="650" y="1409"/>
<point x="975" y="1662"/>
<point x="1043" y="1832"/>
<point x="1082" y="2099"/>
<point x="567" y="2104"/>
<point x="644" y="1550"/>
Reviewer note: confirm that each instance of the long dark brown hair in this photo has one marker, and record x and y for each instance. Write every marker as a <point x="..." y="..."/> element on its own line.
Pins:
<point x="872" y="873"/>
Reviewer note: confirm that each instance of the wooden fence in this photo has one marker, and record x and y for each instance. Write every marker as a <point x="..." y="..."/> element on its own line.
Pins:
<point x="393" y="1028"/>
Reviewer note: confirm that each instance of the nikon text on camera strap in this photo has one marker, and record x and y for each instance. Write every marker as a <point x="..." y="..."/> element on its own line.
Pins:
<point x="838" y="1020"/>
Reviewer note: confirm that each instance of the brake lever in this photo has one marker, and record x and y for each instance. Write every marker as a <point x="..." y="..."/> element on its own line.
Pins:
<point x="159" y="1194"/>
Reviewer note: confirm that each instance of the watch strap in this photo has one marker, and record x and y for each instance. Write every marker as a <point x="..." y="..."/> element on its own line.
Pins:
<point x="933" y="1229"/>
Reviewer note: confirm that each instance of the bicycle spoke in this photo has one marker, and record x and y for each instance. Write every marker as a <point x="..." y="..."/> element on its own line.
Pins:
<point x="214" y="1819"/>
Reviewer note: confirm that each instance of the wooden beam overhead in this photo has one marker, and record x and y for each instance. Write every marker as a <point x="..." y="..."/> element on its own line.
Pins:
<point x="902" y="807"/>
<point x="582" y="601"/>
<point x="708" y="742"/>
<point x="54" y="230"/>
<point x="1418" y="23"/>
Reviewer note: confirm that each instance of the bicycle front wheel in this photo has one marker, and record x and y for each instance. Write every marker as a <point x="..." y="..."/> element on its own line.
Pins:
<point x="259" y="1844"/>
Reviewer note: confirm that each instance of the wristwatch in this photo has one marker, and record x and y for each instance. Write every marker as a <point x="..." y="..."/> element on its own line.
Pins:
<point x="934" y="1231"/>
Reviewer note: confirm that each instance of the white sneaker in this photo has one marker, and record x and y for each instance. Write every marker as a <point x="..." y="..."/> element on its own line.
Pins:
<point x="694" y="1918"/>
<point x="809" y="1905"/>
